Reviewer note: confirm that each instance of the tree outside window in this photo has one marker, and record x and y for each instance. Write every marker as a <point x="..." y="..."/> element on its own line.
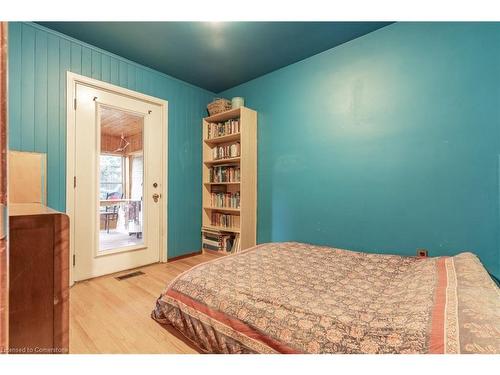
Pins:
<point x="111" y="182"/>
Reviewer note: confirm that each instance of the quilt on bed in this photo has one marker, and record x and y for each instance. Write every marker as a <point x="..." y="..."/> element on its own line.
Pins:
<point x="299" y="298"/>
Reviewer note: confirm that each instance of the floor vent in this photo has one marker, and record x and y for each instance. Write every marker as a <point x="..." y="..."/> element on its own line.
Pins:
<point x="129" y="275"/>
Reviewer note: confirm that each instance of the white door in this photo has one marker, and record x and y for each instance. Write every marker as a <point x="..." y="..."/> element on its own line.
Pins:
<point x="117" y="193"/>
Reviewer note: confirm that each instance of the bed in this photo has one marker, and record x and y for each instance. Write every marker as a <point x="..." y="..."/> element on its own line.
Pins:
<point x="300" y="298"/>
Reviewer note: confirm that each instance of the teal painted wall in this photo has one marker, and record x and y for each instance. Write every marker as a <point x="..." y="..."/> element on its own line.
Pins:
<point x="38" y="61"/>
<point x="387" y="143"/>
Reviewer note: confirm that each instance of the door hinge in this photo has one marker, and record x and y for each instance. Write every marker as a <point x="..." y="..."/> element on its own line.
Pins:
<point x="74" y="182"/>
<point x="74" y="260"/>
<point x="74" y="103"/>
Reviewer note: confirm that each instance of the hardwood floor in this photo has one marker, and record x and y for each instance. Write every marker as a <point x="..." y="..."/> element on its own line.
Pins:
<point x="111" y="316"/>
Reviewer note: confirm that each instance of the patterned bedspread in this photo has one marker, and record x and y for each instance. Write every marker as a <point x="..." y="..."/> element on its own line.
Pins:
<point x="299" y="298"/>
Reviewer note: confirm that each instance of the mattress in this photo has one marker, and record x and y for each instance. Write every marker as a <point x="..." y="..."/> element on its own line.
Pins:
<point x="300" y="298"/>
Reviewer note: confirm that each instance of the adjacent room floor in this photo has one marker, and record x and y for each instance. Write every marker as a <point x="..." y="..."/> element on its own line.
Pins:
<point x="112" y="316"/>
<point x="116" y="239"/>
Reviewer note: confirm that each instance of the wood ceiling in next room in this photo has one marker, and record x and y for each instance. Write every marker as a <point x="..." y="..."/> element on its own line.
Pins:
<point x="117" y="123"/>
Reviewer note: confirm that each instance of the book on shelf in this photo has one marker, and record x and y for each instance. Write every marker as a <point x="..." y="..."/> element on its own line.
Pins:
<point x="226" y="151"/>
<point x="211" y="243"/>
<point x="221" y="129"/>
<point x="218" y="241"/>
<point x="224" y="199"/>
<point x="225" y="220"/>
<point x="224" y="174"/>
<point x="210" y="247"/>
<point x="236" y="244"/>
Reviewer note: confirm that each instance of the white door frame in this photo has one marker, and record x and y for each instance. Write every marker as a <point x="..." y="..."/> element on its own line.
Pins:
<point x="72" y="80"/>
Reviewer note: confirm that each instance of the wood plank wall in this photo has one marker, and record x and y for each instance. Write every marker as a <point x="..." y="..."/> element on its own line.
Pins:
<point x="39" y="59"/>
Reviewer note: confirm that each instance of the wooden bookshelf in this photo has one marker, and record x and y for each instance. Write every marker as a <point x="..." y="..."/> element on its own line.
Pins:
<point x="223" y="139"/>
<point x="224" y="116"/>
<point x="225" y="209"/>
<point x="221" y="229"/>
<point x="235" y="160"/>
<point x="246" y="186"/>
<point x="221" y="183"/>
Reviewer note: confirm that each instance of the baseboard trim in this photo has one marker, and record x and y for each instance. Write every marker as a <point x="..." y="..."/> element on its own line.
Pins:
<point x="184" y="256"/>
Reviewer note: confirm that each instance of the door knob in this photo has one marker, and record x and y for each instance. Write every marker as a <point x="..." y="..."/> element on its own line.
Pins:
<point x="156" y="196"/>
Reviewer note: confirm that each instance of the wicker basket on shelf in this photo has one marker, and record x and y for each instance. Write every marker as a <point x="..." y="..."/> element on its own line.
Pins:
<point x="218" y="105"/>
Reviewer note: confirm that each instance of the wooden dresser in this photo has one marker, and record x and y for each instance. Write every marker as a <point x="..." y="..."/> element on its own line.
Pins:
<point x="39" y="279"/>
